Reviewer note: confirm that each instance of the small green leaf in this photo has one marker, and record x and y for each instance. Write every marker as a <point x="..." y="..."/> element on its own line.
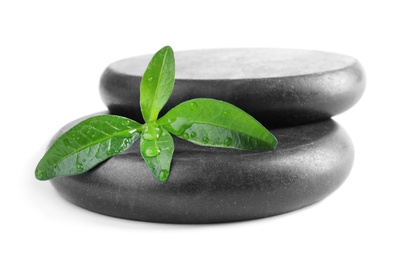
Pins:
<point x="211" y="122"/>
<point x="157" y="83"/>
<point x="87" y="144"/>
<point x="157" y="147"/>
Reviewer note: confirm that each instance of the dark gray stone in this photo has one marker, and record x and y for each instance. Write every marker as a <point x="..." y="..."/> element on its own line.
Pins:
<point x="209" y="185"/>
<point x="278" y="87"/>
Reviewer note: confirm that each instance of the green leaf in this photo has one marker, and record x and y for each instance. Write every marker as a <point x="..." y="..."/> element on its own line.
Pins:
<point x="157" y="83"/>
<point x="157" y="147"/>
<point x="87" y="144"/>
<point x="211" y="122"/>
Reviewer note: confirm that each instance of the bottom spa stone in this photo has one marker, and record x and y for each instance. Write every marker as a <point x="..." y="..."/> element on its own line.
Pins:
<point x="211" y="185"/>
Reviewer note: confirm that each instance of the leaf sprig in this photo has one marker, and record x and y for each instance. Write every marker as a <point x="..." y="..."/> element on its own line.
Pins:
<point x="202" y="121"/>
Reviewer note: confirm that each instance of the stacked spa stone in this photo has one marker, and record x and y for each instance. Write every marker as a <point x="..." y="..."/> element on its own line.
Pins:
<point x="294" y="93"/>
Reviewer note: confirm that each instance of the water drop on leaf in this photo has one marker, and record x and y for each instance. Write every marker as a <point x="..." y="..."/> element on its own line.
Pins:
<point x="228" y="141"/>
<point x="158" y="132"/>
<point x="171" y="120"/>
<point x="226" y="112"/>
<point x="152" y="151"/>
<point x="163" y="175"/>
<point x="151" y="132"/>
<point x="39" y="174"/>
<point x="149" y="136"/>
<point x="193" y="135"/>
<point x="193" y="106"/>
<point x="79" y="167"/>
<point x="205" y="139"/>
<point x="185" y="136"/>
<point x="126" y="142"/>
<point x="126" y="134"/>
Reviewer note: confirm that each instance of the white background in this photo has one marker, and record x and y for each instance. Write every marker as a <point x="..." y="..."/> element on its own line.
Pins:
<point x="53" y="53"/>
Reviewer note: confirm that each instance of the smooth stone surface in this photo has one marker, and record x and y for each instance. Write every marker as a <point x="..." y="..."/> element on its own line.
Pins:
<point x="279" y="87"/>
<point x="210" y="185"/>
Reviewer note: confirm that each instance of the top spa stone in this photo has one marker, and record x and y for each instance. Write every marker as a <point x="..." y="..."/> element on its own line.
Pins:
<point x="279" y="87"/>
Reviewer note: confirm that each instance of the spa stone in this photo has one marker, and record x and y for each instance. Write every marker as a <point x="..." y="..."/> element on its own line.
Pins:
<point x="279" y="87"/>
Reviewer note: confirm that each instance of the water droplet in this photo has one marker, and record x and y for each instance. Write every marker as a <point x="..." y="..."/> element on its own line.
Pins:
<point x="163" y="175"/>
<point x="171" y="120"/>
<point x="39" y="174"/>
<point x="226" y="112"/>
<point x="83" y="160"/>
<point x="151" y="132"/>
<point x="79" y="167"/>
<point x="152" y="151"/>
<point x="148" y="136"/>
<point x="185" y="136"/>
<point x="228" y="141"/>
<point x="193" y="134"/>
<point x="150" y="79"/>
<point x="127" y="134"/>
<point x="127" y="122"/>
<point x="193" y="106"/>
<point x="205" y="139"/>
<point x="158" y="132"/>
